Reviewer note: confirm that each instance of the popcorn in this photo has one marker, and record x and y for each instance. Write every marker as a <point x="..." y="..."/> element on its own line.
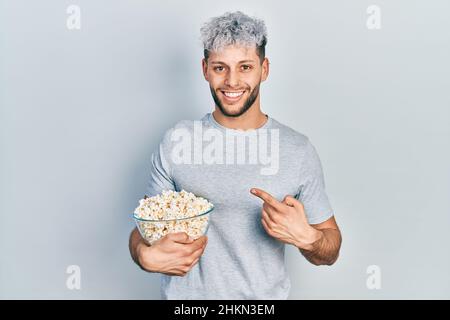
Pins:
<point x="170" y="212"/>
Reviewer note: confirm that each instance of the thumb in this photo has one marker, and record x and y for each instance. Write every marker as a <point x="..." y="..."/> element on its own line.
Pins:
<point x="180" y="237"/>
<point x="292" y="202"/>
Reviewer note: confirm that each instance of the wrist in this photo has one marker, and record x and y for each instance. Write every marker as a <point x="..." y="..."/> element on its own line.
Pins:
<point x="142" y="253"/>
<point x="311" y="237"/>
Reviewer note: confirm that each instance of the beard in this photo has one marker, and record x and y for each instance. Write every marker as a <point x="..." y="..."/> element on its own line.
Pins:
<point x="246" y="105"/>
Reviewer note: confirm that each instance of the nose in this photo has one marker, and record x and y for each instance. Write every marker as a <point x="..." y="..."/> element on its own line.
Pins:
<point x="232" y="79"/>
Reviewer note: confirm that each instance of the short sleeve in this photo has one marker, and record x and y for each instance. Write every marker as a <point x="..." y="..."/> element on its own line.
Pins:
<point x="160" y="170"/>
<point x="312" y="187"/>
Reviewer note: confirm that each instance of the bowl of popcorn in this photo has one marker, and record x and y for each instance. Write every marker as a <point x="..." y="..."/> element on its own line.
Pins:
<point x="171" y="212"/>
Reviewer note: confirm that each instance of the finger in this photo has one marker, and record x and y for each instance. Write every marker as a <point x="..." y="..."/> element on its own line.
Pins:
<point x="180" y="237"/>
<point x="276" y="217"/>
<point x="266" y="216"/>
<point x="177" y="271"/>
<point x="187" y="261"/>
<point x="198" y="244"/>
<point x="197" y="254"/>
<point x="194" y="262"/>
<point x="292" y="202"/>
<point x="270" y="211"/>
<point x="193" y="259"/>
<point x="267" y="228"/>
<point x="267" y="198"/>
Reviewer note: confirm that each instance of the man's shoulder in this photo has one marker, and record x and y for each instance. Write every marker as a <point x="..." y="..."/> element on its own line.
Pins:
<point x="290" y="135"/>
<point x="188" y="124"/>
<point x="181" y="128"/>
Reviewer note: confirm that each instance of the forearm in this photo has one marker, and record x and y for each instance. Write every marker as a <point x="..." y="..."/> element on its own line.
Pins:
<point x="325" y="250"/>
<point x="134" y="245"/>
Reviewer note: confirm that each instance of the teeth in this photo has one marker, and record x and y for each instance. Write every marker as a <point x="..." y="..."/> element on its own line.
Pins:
<point x="233" y="94"/>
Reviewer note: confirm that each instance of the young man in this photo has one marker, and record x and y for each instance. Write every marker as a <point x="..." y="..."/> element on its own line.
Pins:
<point x="262" y="202"/>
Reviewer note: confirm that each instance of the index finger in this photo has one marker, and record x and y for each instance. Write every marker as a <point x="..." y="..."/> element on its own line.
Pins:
<point x="198" y="243"/>
<point x="267" y="198"/>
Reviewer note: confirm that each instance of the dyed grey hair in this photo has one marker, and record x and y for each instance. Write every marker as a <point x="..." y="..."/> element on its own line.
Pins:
<point x="234" y="28"/>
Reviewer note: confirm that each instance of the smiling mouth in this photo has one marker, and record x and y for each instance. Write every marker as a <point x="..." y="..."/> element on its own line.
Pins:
<point x="232" y="95"/>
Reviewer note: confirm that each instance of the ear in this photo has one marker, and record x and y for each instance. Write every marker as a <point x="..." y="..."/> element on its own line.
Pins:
<point x="205" y="68"/>
<point x="265" y="69"/>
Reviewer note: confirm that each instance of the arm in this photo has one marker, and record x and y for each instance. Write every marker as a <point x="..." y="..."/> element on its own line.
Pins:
<point x="174" y="254"/>
<point x="324" y="249"/>
<point x="136" y="243"/>
<point x="287" y="222"/>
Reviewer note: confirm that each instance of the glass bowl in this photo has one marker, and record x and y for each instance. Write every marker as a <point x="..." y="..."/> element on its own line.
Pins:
<point x="153" y="230"/>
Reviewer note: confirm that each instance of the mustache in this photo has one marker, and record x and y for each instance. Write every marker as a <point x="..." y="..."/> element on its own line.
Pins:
<point x="233" y="89"/>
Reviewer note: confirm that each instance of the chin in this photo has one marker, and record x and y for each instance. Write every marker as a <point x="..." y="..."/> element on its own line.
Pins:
<point x="233" y="111"/>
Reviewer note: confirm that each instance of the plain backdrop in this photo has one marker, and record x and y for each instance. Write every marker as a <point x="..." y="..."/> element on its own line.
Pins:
<point x="82" y="111"/>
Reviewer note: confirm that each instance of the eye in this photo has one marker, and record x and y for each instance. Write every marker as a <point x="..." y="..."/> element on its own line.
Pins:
<point x="218" y="68"/>
<point x="246" y="67"/>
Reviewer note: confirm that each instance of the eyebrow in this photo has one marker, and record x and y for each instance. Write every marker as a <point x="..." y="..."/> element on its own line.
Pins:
<point x="243" y="61"/>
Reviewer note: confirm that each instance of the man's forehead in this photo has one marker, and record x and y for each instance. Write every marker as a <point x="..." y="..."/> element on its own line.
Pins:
<point x="234" y="54"/>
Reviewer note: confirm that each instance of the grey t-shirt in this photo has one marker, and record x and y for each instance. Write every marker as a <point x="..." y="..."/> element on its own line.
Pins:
<point x="241" y="261"/>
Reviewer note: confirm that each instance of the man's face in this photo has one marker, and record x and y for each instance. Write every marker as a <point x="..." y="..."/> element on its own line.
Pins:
<point x="234" y="75"/>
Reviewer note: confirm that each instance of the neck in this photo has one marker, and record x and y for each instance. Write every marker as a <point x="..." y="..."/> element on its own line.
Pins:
<point x="252" y="119"/>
